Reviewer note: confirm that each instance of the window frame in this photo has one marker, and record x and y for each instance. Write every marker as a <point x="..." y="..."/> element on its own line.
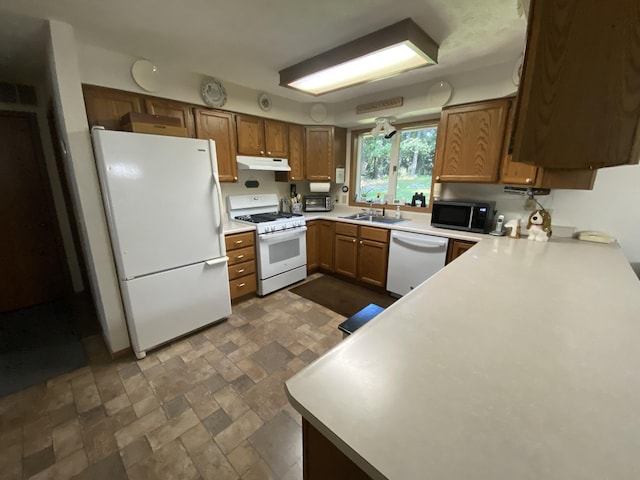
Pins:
<point x="353" y="167"/>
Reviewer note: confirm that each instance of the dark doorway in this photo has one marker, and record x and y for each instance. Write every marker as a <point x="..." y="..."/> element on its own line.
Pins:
<point x="34" y="269"/>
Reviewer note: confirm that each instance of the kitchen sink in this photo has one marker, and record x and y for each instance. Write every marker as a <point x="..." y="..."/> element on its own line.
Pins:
<point x="365" y="217"/>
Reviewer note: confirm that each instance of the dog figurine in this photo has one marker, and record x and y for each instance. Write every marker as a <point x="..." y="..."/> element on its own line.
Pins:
<point x="539" y="226"/>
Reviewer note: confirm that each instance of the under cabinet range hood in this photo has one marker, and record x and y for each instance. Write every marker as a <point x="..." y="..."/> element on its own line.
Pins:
<point x="263" y="163"/>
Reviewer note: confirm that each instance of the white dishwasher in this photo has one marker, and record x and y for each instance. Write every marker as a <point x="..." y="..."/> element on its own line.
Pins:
<point x="413" y="257"/>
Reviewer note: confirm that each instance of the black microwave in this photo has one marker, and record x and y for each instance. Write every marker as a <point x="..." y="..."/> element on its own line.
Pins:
<point x="469" y="216"/>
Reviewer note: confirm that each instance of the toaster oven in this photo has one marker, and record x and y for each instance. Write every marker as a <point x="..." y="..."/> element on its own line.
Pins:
<point x="317" y="203"/>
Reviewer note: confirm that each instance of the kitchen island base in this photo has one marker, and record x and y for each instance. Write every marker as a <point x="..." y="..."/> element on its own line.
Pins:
<point x="323" y="460"/>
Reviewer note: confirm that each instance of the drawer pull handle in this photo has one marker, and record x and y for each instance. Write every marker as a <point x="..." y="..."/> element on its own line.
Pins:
<point x="240" y="271"/>
<point x="240" y="256"/>
<point x="354" y="240"/>
<point x="238" y="242"/>
<point x="240" y="285"/>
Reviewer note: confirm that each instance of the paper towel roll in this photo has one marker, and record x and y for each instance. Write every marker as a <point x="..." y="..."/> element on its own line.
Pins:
<point x="318" y="187"/>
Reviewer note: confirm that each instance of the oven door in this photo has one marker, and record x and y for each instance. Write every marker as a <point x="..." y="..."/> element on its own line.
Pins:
<point x="279" y="252"/>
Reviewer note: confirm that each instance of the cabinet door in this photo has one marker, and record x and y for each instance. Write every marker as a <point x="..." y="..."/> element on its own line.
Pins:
<point x="318" y="148"/>
<point x="579" y="101"/>
<point x="250" y="131"/>
<point x="313" y="262"/>
<point x="515" y="173"/>
<point x="325" y="245"/>
<point x="219" y="127"/>
<point x="372" y="262"/>
<point x="346" y="254"/>
<point x="470" y="142"/>
<point x="296" y="152"/>
<point x="296" y="156"/>
<point x="106" y="107"/>
<point x="276" y="138"/>
<point x="169" y="108"/>
<point x="457" y="248"/>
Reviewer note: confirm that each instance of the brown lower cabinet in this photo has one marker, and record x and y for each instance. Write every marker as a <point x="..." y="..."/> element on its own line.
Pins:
<point x="313" y="257"/>
<point x="241" y="251"/>
<point x="320" y="246"/>
<point x="322" y="460"/>
<point x="325" y="245"/>
<point x="457" y="248"/>
<point x="361" y="253"/>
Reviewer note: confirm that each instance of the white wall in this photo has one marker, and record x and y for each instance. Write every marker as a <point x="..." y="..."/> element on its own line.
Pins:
<point x="72" y="118"/>
<point x="613" y="206"/>
<point x="107" y="68"/>
<point x="491" y="82"/>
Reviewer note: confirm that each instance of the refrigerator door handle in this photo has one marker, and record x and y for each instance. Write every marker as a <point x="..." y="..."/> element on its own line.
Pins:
<point x="216" y="181"/>
<point x="217" y="261"/>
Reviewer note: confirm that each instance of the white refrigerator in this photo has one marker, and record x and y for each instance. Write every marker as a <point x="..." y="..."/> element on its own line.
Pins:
<point x="164" y="210"/>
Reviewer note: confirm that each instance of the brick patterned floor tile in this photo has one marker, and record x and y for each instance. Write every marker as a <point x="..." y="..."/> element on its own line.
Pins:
<point x="238" y="431"/>
<point x="170" y="462"/>
<point x="67" y="438"/>
<point x="209" y="405"/>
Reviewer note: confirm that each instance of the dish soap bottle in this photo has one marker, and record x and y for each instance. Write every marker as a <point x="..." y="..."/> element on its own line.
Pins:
<point x="398" y="212"/>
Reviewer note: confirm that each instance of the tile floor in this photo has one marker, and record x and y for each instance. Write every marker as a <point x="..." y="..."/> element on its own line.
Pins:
<point x="208" y="406"/>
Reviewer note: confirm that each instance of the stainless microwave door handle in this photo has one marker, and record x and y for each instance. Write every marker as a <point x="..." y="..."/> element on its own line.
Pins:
<point x="286" y="235"/>
<point x="473" y="211"/>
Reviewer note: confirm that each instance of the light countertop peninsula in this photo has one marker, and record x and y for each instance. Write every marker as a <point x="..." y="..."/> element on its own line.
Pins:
<point x="519" y="360"/>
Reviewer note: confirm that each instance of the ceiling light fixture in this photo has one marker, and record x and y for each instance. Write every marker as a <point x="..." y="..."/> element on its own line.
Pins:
<point x="384" y="127"/>
<point x="397" y="48"/>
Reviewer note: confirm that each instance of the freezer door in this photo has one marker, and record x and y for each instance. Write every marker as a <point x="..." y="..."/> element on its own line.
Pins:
<point x="167" y="305"/>
<point x="161" y="200"/>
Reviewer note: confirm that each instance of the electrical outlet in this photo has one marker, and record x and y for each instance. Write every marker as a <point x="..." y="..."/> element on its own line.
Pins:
<point x="344" y="199"/>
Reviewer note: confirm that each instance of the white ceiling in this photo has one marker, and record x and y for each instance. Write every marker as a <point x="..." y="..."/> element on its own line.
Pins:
<point x="248" y="41"/>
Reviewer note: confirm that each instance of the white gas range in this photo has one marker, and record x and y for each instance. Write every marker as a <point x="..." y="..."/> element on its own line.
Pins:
<point x="281" y="244"/>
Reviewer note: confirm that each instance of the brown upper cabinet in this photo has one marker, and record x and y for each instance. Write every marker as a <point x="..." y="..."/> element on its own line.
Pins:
<point x="296" y="156"/>
<point x="106" y="107"/>
<point x="470" y="142"/>
<point x="325" y="149"/>
<point x="579" y="97"/>
<point x="523" y="174"/>
<point x="218" y="126"/>
<point x="262" y="136"/>
<point x="170" y="108"/>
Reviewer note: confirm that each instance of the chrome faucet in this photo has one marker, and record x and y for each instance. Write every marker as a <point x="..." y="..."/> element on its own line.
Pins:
<point x="370" y="202"/>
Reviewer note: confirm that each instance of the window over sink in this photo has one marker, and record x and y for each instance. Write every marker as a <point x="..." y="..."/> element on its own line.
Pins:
<point x="393" y="169"/>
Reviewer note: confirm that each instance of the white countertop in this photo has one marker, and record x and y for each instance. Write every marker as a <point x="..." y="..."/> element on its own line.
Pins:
<point x="417" y="223"/>
<point x="519" y="360"/>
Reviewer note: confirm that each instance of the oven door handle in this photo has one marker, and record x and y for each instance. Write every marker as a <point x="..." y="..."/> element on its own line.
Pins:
<point x="279" y="236"/>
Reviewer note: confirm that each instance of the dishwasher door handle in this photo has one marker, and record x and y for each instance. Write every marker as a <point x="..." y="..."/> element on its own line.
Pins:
<point x="418" y="242"/>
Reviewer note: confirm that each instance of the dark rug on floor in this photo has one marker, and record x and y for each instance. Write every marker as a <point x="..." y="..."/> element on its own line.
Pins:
<point x="342" y="297"/>
<point x="38" y="343"/>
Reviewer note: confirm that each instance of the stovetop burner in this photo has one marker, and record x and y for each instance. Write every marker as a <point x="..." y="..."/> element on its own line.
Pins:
<point x="266" y="217"/>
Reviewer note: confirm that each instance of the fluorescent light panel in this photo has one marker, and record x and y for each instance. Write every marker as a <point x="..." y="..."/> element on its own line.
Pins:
<point x="395" y="49"/>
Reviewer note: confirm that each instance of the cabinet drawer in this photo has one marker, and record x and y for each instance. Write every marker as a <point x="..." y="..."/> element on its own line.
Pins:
<point x="346" y="229"/>
<point x="241" y="269"/>
<point x="375" y="234"/>
<point x="242" y="286"/>
<point x="239" y="240"/>
<point x="241" y="255"/>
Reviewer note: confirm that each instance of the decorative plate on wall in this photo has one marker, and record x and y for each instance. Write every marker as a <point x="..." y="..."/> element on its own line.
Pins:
<point x="146" y="75"/>
<point x="439" y="94"/>
<point x="264" y="101"/>
<point x="212" y="92"/>
<point x="318" y="112"/>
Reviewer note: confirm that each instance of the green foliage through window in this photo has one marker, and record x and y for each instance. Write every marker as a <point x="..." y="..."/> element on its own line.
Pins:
<point x="396" y="168"/>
